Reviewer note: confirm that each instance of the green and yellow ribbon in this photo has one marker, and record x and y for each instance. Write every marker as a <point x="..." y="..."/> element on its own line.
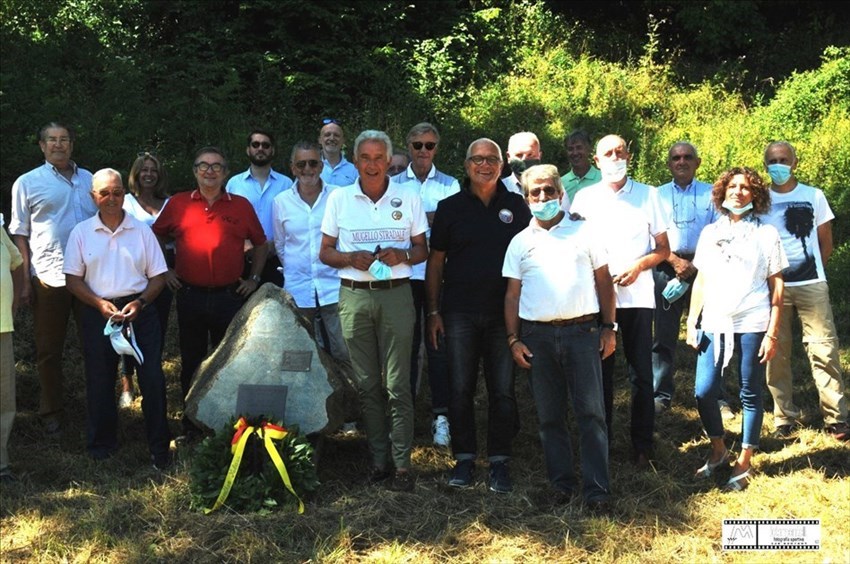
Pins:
<point x="269" y="433"/>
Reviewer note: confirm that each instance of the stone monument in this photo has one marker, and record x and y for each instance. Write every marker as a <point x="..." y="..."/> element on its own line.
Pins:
<point x="267" y="347"/>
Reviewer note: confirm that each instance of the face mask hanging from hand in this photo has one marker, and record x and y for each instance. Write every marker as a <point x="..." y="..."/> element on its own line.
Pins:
<point x="675" y="289"/>
<point x="123" y="339"/>
<point x="380" y="270"/>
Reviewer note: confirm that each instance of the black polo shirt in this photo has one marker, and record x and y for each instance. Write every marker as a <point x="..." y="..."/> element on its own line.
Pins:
<point x="475" y="238"/>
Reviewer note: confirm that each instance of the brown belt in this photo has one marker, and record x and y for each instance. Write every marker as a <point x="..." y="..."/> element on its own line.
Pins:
<point x="573" y="321"/>
<point x="374" y="284"/>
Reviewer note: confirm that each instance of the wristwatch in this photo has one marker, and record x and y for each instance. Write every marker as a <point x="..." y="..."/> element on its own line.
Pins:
<point x="256" y="278"/>
<point x="612" y="326"/>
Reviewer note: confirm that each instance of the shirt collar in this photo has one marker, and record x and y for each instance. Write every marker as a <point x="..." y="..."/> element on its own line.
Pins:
<point x="196" y="194"/>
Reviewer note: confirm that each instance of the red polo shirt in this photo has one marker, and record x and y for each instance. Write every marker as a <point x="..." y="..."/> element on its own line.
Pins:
<point x="209" y="240"/>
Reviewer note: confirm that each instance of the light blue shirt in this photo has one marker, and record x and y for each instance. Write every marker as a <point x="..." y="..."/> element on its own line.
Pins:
<point x="297" y="240"/>
<point x="437" y="186"/>
<point x="46" y="206"/>
<point x="261" y="197"/>
<point x="343" y="174"/>
<point x="688" y="210"/>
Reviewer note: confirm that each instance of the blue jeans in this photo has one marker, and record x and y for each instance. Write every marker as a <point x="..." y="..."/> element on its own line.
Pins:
<point x="203" y="316"/>
<point x="566" y="363"/>
<point x="438" y="362"/>
<point x="708" y="383"/>
<point x="636" y="334"/>
<point x="101" y="362"/>
<point x="469" y="338"/>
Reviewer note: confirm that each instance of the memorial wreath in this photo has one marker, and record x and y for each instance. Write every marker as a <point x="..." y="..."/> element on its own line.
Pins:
<point x="252" y="464"/>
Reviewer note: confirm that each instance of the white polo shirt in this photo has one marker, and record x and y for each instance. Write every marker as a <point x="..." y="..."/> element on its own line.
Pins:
<point x="437" y="186"/>
<point x="556" y="268"/>
<point x="297" y="240"/>
<point x="114" y="265"/>
<point x="627" y="222"/>
<point x="359" y="224"/>
<point x="45" y="208"/>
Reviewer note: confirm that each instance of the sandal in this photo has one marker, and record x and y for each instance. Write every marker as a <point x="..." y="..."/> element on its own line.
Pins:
<point x="738" y="483"/>
<point x="707" y="469"/>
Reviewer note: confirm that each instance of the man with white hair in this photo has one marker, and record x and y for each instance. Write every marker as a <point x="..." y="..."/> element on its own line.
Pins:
<point x="523" y="152"/>
<point x="115" y="267"/>
<point x="374" y="232"/>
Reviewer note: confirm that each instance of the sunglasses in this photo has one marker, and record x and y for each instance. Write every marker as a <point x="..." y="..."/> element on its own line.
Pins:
<point x="548" y="190"/>
<point x="312" y="163"/>
<point x="263" y="144"/>
<point x="330" y="120"/>
<point x="429" y="146"/>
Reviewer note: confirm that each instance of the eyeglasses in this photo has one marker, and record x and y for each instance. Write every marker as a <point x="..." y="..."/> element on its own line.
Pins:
<point x="263" y="144"/>
<point x="312" y="163"/>
<point x="479" y="160"/>
<point x="548" y="190"/>
<point x="203" y="167"/>
<point x="330" y="120"/>
<point x="429" y="146"/>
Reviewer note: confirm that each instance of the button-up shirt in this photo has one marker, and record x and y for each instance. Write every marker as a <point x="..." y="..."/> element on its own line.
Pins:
<point x="688" y="210"/>
<point x="297" y="240"/>
<point x="45" y="208"/>
<point x="343" y="174"/>
<point x="261" y="197"/>
<point x="437" y="186"/>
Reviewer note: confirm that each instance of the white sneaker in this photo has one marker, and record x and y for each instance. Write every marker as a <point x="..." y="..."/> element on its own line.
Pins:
<point x="126" y="400"/>
<point x="440" y="428"/>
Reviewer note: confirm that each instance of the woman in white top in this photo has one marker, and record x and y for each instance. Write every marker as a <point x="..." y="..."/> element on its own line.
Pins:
<point x="738" y="296"/>
<point x="148" y="194"/>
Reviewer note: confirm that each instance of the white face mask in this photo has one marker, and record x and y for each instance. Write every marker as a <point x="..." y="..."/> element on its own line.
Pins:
<point x="613" y="171"/>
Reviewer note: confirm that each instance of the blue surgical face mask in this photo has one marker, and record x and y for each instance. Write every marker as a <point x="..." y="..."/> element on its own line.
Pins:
<point x="544" y="211"/>
<point x="675" y="289"/>
<point x="779" y="173"/>
<point x="738" y="211"/>
<point x="380" y="270"/>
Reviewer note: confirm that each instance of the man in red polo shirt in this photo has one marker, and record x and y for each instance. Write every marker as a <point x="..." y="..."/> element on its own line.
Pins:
<point x="209" y="228"/>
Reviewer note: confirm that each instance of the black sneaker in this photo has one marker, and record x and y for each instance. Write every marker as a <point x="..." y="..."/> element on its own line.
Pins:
<point x="379" y="474"/>
<point x="784" y="431"/>
<point x="463" y="474"/>
<point x="500" y="478"/>
<point x="162" y="462"/>
<point x="839" y="431"/>
<point x="402" y="481"/>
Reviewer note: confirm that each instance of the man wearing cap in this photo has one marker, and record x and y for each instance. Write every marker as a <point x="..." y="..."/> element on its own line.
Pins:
<point x="373" y="232"/>
<point x="336" y="169"/>
<point x="115" y="267"/>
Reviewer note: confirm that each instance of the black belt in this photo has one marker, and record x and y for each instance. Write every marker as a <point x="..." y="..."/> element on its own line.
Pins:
<point x="565" y="322"/>
<point x="124" y="300"/>
<point x="209" y="289"/>
<point x="374" y="284"/>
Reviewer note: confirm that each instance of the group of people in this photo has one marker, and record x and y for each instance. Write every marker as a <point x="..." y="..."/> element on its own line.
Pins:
<point x="532" y="270"/>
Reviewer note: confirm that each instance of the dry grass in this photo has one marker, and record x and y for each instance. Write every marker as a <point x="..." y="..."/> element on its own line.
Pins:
<point x="66" y="507"/>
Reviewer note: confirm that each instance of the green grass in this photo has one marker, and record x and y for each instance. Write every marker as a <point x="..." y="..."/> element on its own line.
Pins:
<point x="66" y="507"/>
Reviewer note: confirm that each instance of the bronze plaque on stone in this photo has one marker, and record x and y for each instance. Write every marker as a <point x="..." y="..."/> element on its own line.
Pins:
<point x="253" y="400"/>
<point x="297" y="361"/>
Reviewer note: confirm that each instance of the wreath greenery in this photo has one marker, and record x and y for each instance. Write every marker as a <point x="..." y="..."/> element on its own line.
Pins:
<point x="258" y="485"/>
